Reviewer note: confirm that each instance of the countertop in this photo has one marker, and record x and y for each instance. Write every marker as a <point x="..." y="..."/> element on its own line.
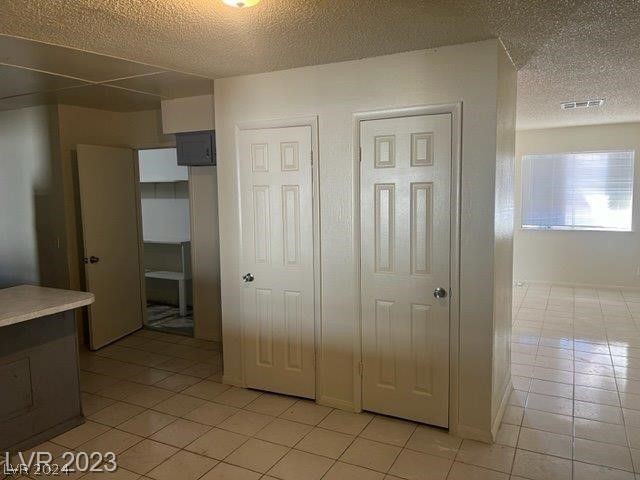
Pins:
<point x="26" y="302"/>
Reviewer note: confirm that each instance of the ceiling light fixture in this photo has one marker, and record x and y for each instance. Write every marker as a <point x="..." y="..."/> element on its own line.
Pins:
<point x="241" y="3"/>
<point x="583" y="104"/>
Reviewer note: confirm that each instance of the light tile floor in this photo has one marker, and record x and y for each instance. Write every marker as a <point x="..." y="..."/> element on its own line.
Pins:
<point x="156" y="400"/>
<point x="575" y="411"/>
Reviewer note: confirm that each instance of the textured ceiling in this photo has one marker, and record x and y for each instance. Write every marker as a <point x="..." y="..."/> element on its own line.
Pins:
<point x="565" y="49"/>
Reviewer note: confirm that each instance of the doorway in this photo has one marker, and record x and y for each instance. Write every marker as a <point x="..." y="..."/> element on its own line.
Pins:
<point x="166" y="233"/>
<point x="405" y="237"/>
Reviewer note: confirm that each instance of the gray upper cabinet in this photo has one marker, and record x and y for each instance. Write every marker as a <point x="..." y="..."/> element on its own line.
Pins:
<point x="196" y="148"/>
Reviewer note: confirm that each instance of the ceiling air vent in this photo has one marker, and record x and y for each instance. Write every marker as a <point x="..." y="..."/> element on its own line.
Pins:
<point x="583" y="104"/>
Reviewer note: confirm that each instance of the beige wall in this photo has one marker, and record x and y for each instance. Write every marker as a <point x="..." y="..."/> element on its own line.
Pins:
<point x="503" y="238"/>
<point x="32" y="222"/>
<point x="205" y="250"/>
<point x="138" y="130"/>
<point x="578" y="257"/>
<point x="79" y="125"/>
<point x="466" y="73"/>
<point x="42" y="241"/>
<point x="188" y="114"/>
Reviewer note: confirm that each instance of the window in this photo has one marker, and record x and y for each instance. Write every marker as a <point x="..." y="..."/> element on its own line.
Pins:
<point x="578" y="191"/>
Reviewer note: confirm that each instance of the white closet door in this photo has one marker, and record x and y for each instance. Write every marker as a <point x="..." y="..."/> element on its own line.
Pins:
<point x="405" y="235"/>
<point x="277" y="259"/>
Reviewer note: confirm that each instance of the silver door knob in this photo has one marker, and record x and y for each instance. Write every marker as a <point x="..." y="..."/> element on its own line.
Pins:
<point x="248" y="277"/>
<point x="440" y="292"/>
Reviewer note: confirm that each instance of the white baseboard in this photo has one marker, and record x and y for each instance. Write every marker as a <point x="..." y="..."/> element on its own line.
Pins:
<point x="578" y="285"/>
<point x="504" y="402"/>
<point x="472" y="433"/>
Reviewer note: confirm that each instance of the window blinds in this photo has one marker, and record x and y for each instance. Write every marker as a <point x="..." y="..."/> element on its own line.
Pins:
<point x="581" y="191"/>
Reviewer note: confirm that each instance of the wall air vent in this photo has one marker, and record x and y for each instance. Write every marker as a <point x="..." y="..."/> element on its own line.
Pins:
<point x="582" y="104"/>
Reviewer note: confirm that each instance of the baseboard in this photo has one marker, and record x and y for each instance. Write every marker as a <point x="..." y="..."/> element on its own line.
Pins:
<point x="504" y="402"/>
<point x="578" y="285"/>
<point x="472" y="433"/>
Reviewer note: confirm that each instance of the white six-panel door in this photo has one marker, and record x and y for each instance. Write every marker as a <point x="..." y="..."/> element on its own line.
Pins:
<point x="405" y="255"/>
<point x="277" y="259"/>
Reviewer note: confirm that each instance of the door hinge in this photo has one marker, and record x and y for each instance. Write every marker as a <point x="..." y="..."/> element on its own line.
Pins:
<point x="312" y="158"/>
<point x="360" y="368"/>
<point x="360" y="154"/>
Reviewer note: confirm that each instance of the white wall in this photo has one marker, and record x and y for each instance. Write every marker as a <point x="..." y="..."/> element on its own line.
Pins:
<point x="578" y="257"/>
<point x="503" y="241"/>
<point x="161" y="165"/>
<point x="165" y="211"/>
<point x="188" y="114"/>
<point x="165" y="217"/>
<point x="32" y="228"/>
<point x="466" y="73"/>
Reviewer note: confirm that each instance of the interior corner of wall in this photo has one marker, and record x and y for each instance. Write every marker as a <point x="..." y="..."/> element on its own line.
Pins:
<point x="474" y="433"/>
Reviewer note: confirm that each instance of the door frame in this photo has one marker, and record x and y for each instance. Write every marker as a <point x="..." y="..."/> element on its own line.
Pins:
<point x="143" y="284"/>
<point x="311" y="121"/>
<point x="143" y="279"/>
<point x="143" y="300"/>
<point x="455" y="110"/>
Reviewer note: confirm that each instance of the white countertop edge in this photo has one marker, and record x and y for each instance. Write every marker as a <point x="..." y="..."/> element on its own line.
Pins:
<point x="51" y="301"/>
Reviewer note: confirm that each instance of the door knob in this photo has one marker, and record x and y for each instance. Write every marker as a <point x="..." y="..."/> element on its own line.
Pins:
<point x="440" y="292"/>
<point x="248" y="277"/>
<point x="93" y="259"/>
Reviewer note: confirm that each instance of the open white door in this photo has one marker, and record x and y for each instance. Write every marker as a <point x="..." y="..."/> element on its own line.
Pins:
<point x="405" y="248"/>
<point x="277" y="259"/>
<point x="108" y="200"/>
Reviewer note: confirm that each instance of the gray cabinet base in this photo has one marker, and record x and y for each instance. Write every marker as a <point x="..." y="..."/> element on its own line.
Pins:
<point x="39" y="380"/>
